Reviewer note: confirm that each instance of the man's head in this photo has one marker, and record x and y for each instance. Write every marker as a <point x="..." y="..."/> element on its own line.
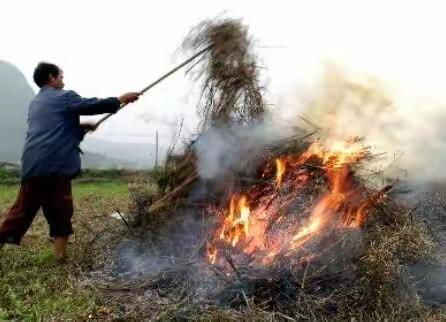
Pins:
<point x="48" y="74"/>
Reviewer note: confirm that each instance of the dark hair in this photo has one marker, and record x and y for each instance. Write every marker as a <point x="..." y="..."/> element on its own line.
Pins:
<point x="43" y="71"/>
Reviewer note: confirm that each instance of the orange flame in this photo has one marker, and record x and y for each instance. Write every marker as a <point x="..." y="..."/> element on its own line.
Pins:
<point x="326" y="211"/>
<point x="248" y="228"/>
<point x="280" y="171"/>
<point x="212" y="253"/>
<point x="236" y="224"/>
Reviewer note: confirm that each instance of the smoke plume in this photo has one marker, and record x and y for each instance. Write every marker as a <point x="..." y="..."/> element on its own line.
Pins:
<point x="236" y="147"/>
<point x="407" y="132"/>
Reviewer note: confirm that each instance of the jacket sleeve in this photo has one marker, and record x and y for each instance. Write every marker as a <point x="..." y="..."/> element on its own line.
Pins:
<point x="90" y="106"/>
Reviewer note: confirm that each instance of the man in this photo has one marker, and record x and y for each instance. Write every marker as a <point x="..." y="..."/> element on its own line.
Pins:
<point x="51" y="156"/>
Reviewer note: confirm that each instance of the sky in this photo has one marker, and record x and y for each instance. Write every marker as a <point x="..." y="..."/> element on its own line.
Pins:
<point x="110" y="47"/>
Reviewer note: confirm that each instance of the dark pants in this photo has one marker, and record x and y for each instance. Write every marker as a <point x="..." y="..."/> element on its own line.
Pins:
<point x="53" y="194"/>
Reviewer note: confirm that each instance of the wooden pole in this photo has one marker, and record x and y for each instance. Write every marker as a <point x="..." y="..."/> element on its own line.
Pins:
<point x="145" y="89"/>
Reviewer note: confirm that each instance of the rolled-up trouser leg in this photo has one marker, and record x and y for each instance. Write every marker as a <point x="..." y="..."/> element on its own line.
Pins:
<point x="57" y="205"/>
<point x="22" y="213"/>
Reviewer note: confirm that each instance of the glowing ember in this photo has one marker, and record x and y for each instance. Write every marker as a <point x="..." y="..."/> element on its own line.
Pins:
<point x="212" y="252"/>
<point x="264" y="224"/>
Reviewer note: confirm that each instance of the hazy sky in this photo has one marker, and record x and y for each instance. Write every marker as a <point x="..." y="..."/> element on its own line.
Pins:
<point x="109" y="47"/>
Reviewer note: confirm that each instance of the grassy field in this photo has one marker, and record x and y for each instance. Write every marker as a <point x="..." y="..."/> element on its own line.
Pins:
<point x="32" y="285"/>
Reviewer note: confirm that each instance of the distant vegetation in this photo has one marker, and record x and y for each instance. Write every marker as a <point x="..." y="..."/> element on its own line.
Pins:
<point x="9" y="175"/>
<point x="12" y="176"/>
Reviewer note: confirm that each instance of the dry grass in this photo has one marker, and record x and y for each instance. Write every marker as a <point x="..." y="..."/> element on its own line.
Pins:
<point x="364" y="274"/>
<point x="231" y="91"/>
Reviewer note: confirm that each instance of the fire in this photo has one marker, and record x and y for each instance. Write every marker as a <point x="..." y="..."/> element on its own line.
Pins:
<point x="264" y="224"/>
<point x="280" y="170"/>
<point x="335" y="154"/>
<point x="328" y="207"/>
<point x="212" y="253"/>
<point x="236" y="224"/>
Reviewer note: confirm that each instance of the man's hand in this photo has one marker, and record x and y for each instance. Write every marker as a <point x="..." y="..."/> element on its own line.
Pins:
<point x="88" y="127"/>
<point x="128" y="98"/>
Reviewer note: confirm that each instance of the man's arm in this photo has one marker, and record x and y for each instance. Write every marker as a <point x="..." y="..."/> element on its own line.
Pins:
<point x="93" y="106"/>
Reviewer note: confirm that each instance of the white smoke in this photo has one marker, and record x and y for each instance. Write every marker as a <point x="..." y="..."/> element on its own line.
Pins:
<point x="407" y="129"/>
<point x="407" y="133"/>
<point x="237" y="147"/>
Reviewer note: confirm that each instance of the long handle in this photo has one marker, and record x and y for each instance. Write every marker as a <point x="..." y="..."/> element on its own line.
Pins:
<point x="145" y="89"/>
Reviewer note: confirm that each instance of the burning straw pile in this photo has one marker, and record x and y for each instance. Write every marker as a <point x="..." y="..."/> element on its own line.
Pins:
<point x="310" y="240"/>
<point x="303" y="237"/>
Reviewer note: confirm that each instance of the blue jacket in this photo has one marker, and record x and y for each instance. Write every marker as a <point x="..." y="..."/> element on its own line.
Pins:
<point x="54" y="133"/>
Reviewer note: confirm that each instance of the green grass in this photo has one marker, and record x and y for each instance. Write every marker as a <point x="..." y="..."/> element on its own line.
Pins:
<point x="12" y="176"/>
<point x="33" y="286"/>
<point x="110" y="189"/>
<point x="8" y="194"/>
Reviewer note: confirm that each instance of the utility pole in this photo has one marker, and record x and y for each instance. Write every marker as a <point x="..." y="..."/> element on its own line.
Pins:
<point x="156" y="150"/>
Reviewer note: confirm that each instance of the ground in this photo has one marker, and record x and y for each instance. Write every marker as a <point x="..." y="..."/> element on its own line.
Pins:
<point x="32" y="285"/>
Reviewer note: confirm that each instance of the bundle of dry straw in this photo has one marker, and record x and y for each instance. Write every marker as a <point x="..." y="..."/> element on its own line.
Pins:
<point x="231" y="91"/>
